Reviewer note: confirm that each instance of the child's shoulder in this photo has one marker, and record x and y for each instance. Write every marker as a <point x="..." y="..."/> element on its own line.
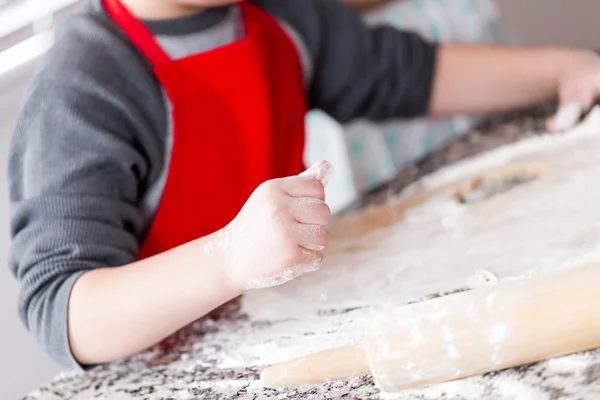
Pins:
<point x="89" y="45"/>
<point x="96" y="80"/>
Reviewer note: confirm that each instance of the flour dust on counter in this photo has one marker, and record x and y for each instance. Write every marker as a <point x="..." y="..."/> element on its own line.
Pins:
<point x="481" y="278"/>
<point x="545" y="223"/>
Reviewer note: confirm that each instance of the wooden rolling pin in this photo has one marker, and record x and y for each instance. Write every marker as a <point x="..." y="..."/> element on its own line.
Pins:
<point x="489" y="329"/>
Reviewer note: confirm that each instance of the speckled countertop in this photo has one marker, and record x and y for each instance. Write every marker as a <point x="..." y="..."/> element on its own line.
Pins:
<point x="186" y="365"/>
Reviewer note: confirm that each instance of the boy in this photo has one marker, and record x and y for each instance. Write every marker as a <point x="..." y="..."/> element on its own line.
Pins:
<point x="154" y="169"/>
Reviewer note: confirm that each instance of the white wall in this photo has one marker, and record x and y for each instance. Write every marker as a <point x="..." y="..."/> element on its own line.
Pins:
<point x="23" y="366"/>
<point x="554" y="22"/>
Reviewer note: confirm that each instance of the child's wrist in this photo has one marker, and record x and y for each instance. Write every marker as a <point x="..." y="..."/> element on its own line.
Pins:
<point x="562" y="59"/>
<point x="219" y="255"/>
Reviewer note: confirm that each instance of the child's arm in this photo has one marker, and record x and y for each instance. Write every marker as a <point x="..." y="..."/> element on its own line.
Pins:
<point x="86" y="161"/>
<point x="118" y="312"/>
<point x="381" y="73"/>
<point x="479" y="79"/>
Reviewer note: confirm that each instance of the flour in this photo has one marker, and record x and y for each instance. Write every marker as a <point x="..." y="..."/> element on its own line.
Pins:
<point x="550" y="223"/>
<point x="482" y="278"/>
<point x="283" y="277"/>
<point x="499" y="334"/>
<point x="453" y="352"/>
<point x="416" y="336"/>
<point x="322" y="171"/>
<point x="278" y="279"/>
<point x="503" y="155"/>
<point x="567" y="117"/>
<point x="448" y="334"/>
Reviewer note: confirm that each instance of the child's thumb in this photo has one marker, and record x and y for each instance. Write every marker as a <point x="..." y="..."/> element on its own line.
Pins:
<point x="321" y="171"/>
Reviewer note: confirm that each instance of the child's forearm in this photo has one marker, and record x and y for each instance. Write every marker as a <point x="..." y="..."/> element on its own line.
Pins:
<point x="279" y="234"/>
<point x="118" y="312"/>
<point x="479" y="79"/>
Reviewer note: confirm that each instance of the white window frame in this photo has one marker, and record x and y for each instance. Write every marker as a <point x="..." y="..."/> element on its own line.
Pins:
<point x="26" y="28"/>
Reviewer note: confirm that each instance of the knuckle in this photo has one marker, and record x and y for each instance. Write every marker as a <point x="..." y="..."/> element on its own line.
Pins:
<point x="282" y="214"/>
<point x="325" y="211"/>
<point x="313" y="260"/>
<point x="295" y="255"/>
<point x="272" y="211"/>
<point x="288" y="238"/>
<point x="277" y="208"/>
<point x="313" y="188"/>
<point x="270" y="188"/>
<point x="319" y="258"/>
<point x="325" y="236"/>
<point x="318" y="189"/>
<point x="321" y="236"/>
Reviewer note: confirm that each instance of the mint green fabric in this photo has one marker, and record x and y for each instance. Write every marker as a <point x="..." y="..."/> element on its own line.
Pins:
<point x="377" y="151"/>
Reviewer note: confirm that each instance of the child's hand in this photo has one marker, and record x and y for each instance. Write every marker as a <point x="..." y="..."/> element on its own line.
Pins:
<point x="578" y="88"/>
<point x="280" y="232"/>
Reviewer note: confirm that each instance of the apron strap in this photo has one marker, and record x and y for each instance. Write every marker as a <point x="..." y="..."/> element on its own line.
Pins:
<point x="136" y="31"/>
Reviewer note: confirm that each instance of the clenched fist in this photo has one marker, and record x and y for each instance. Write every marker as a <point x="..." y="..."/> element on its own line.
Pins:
<point x="280" y="233"/>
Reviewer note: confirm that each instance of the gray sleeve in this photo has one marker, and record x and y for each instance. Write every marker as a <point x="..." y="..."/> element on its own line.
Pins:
<point x="77" y="165"/>
<point x="359" y="72"/>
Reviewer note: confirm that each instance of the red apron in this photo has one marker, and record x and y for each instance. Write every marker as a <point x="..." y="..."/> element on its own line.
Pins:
<point x="238" y="118"/>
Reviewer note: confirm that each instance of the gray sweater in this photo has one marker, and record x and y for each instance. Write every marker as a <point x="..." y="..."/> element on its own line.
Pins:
<point x="89" y="153"/>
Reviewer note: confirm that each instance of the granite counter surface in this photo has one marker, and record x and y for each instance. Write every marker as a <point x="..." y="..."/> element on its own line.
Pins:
<point x="186" y="365"/>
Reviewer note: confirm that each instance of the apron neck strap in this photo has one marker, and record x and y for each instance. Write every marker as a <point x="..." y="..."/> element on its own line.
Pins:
<point x="136" y="31"/>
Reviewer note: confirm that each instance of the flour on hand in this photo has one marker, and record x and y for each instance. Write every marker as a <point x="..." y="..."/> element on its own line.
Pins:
<point x="278" y="235"/>
<point x="321" y="171"/>
<point x="567" y="116"/>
